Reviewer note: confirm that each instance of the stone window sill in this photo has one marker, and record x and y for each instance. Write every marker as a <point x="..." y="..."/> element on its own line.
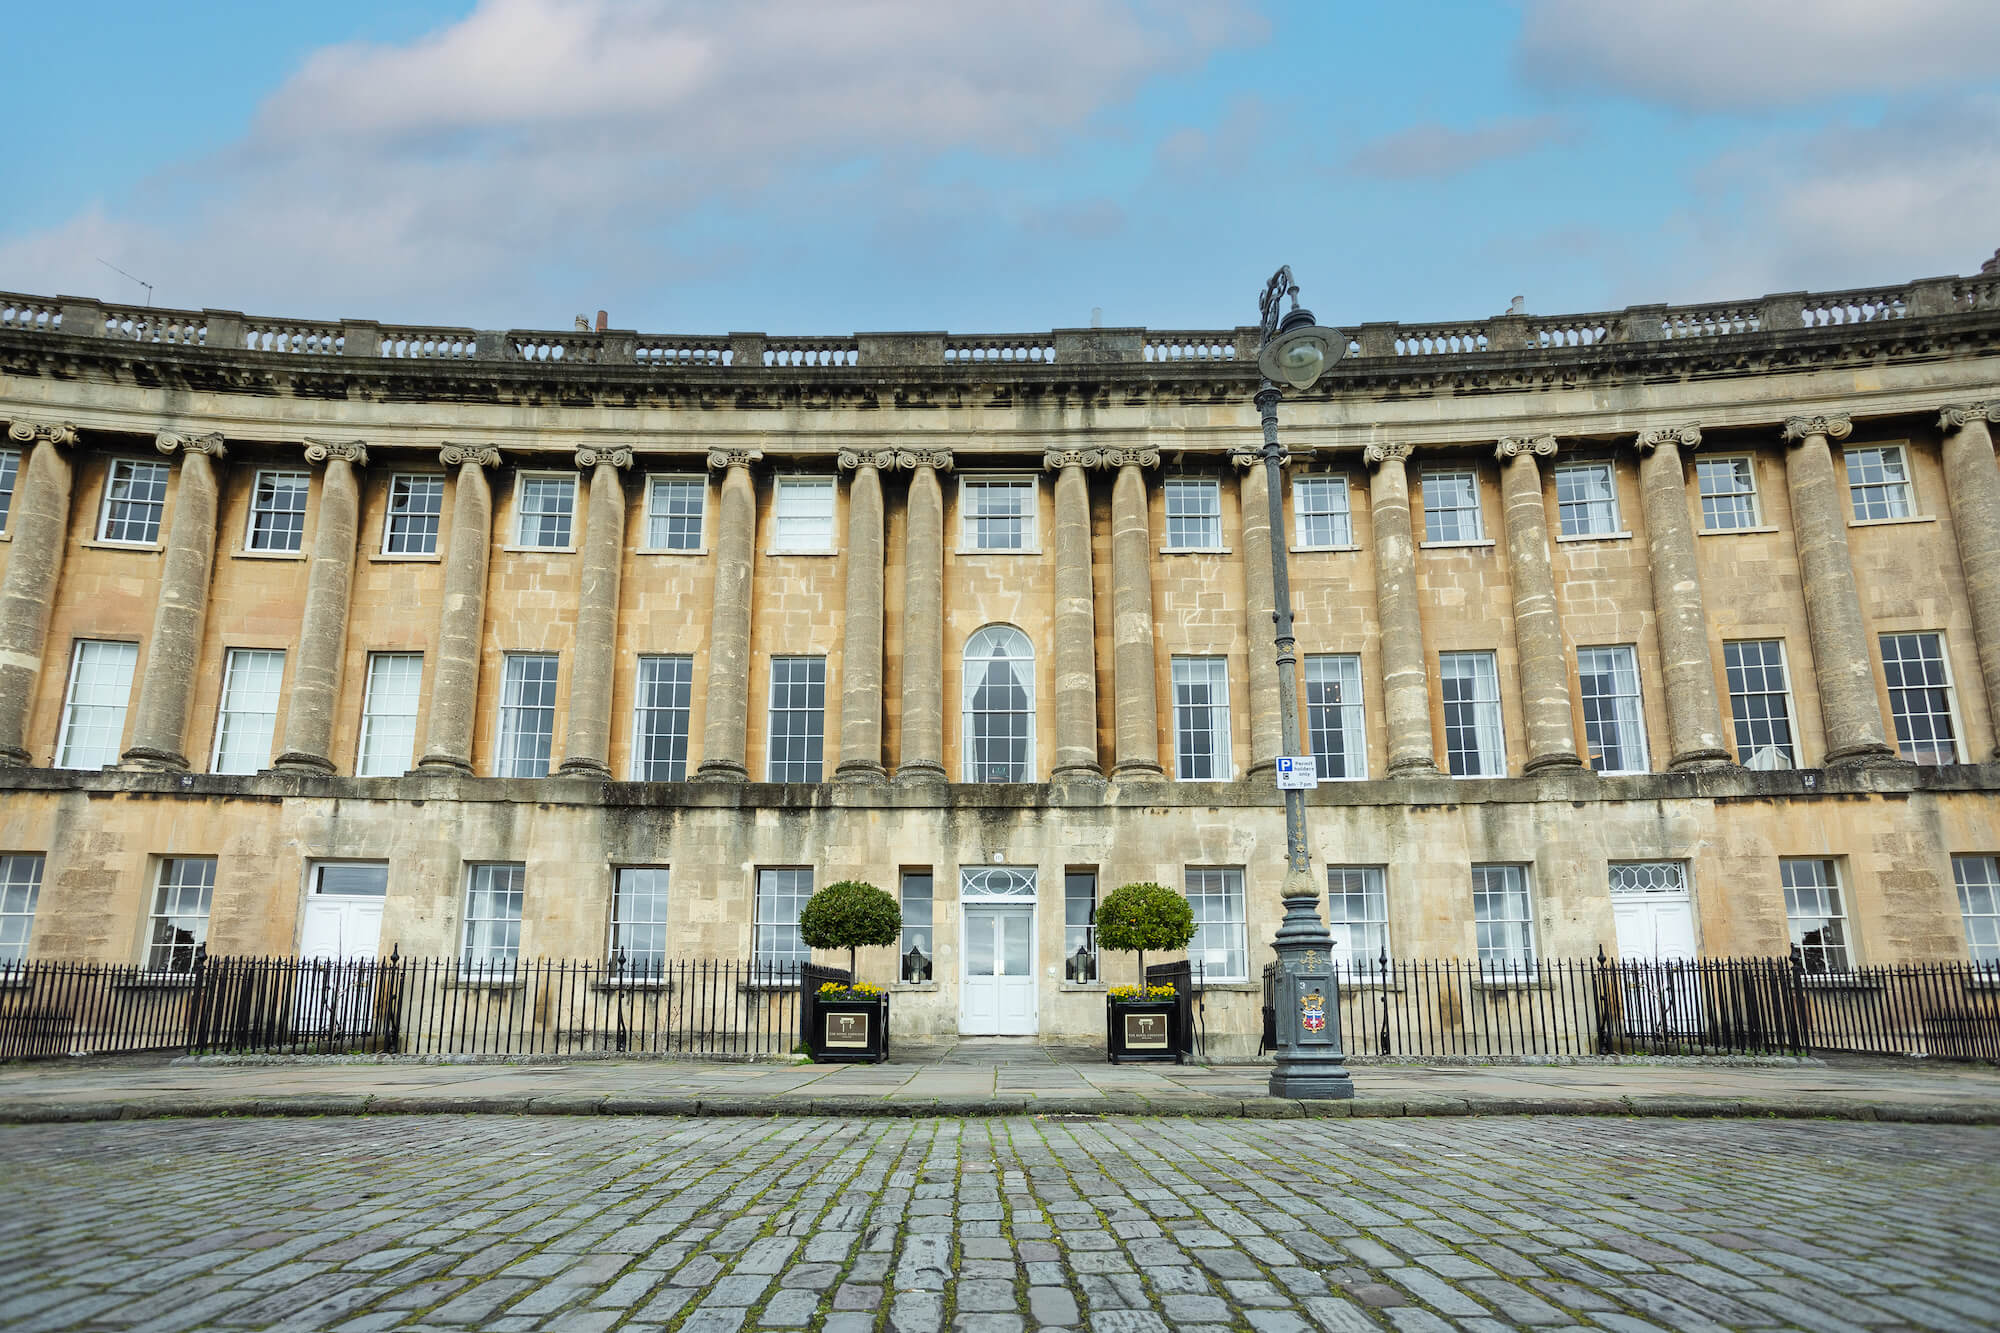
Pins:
<point x="824" y="552"/>
<point x="670" y="550"/>
<point x="1890" y="522"/>
<point x="998" y="550"/>
<point x="6" y="536"/>
<point x="267" y="555"/>
<point x="1738" y="532"/>
<point x="1459" y="545"/>
<point x="1321" y="550"/>
<point x="1596" y="537"/>
<point x="1084" y="987"/>
<point x="99" y="544"/>
<point x="1245" y="986"/>
<point x="913" y="987"/>
<point x="1195" y="550"/>
<point x="539" y="550"/>
<point x="405" y="558"/>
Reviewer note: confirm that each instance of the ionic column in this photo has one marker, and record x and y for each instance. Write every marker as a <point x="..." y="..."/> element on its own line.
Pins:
<point x="1973" y="484"/>
<point x="587" y="748"/>
<point x="1135" y="709"/>
<point x="725" y="735"/>
<point x="1545" y="701"/>
<point x="1076" y="619"/>
<point x="461" y="625"/>
<point x="922" y="739"/>
<point x="1694" y="715"/>
<point x="1841" y="660"/>
<point x="173" y="654"/>
<point x="1260" y="610"/>
<point x="40" y="525"/>
<point x="1406" y="687"/>
<point x="315" y="693"/>
<point x="861" y="647"/>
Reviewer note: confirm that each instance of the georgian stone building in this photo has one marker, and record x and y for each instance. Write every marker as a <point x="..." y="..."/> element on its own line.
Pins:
<point x="1667" y="631"/>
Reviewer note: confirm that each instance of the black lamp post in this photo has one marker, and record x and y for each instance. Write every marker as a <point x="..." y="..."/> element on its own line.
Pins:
<point x="1306" y="996"/>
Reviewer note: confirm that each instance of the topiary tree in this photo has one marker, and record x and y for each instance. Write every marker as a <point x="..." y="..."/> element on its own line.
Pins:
<point x="1143" y="916"/>
<point x="848" y="914"/>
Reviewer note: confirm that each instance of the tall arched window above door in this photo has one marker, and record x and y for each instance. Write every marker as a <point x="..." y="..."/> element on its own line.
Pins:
<point x="999" y="706"/>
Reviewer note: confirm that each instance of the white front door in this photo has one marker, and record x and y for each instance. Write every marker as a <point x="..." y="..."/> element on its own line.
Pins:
<point x="1654" y="929"/>
<point x="997" y="991"/>
<point x="341" y="927"/>
<point x="341" y="931"/>
<point x="1654" y="916"/>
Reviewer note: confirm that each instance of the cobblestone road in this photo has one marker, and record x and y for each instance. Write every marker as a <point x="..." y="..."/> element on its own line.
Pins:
<point x="996" y="1226"/>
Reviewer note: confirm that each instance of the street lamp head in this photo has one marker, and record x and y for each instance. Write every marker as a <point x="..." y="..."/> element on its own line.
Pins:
<point x="1298" y="353"/>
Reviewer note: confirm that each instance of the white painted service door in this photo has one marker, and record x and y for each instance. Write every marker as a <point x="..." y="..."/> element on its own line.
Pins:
<point x="997" y="991"/>
<point x="345" y="931"/>
<point x="1654" y="929"/>
<point x="340" y="927"/>
<point x="1658" y="929"/>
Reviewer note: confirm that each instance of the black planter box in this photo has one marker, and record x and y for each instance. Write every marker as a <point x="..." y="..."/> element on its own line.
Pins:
<point x="850" y="1031"/>
<point x="1142" y="1031"/>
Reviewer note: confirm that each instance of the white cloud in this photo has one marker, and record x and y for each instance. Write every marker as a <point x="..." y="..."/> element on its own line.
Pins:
<point x="1722" y="55"/>
<point x="1438" y="150"/>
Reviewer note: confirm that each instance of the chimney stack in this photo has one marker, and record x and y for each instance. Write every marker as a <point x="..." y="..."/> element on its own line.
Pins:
<point x="603" y="321"/>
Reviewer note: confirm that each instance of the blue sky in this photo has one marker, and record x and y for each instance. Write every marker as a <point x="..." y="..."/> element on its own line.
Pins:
<point x="801" y="166"/>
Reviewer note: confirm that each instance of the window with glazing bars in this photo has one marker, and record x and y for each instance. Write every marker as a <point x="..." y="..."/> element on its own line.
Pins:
<point x="1614" y="725"/>
<point x="999" y="513"/>
<point x="1358" y="914"/>
<point x="1221" y="942"/>
<point x="493" y="895"/>
<point x="674" y="513"/>
<point x="639" y="920"/>
<point x="527" y="715"/>
<point x="798" y="719"/>
<point x="1321" y="511"/>
<point x="252" y="680"/>
<point x="415" y="502"/>
<point x="20" y="886"/>
<point x="999" y="685"/>
<point x="1474" y="744"/>
<point x="1920" y="697"/>
<point x="1201" y="719"/>
<point x="1502" y="923"/>
<point x="1760" y="703"/>
<point x="179" y="924"/>
<point x="278" y="511"/>
<point x="660" y="722"/>
<point x="1878" y="482"/>
<point x="389" y="715"/>
<point x="1080" y="926"/>
<point x="10" y="467"/>
<point x="1451" y="507"/>
<point x="1194" y="514"/>
<point x="1814" y="914"/>
<point x="803" y="507"/>
<point x="1586" y="499"/>
<point x="1978" y="880"/>
<point x="545" y="508"/>
<point x="1728" y="493"/>
<point x="135" y="495"/>
<point x="1333" y="716"/>
<point x="100" y="687"/>
<point x="782" y="894"/>
<point x="918" y="889"/>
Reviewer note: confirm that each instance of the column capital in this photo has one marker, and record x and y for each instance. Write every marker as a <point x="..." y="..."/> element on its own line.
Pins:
<point x="480" y="455"/>
<point x="720" y="459"/>
<point x="210" y="443"/>
<point x="1957" y="416"/>
<point x="851" y="460"/>
<point x="1833" y="425"/>
<point x="1377" y="454"/>
<point x="41" y="432"/>
<point x="1684" y="437"/>
<point x="347" y="451"/>
<point x="1057" y="459"/>
<point x="618" y="456"/>
<point x="1253" y="458"/>
<point x="1513" y="446"/>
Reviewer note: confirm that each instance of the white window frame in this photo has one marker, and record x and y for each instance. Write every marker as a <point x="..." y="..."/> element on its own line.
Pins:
<point x="1892" y="491"/>
<point x="1207" y="889"/>
<point x="256" y="728"/>
<point x="380" y="727"/>
<point x="1752" y="496"/>
<point x="1351" y="720"/>
<point x="1477" y="508"/>
<point x="20" y="889"/>
<point x="641" y="897"/>
<point x="522" y="482"/>
<point x="922" y="934"/>
<point x="675" y="733"/>
<point x="1221" y="756"/>
<point x="971" y="485"/>
<point x="169" y="956"/>
<point x="1209" y="518"/>
<point x="1503" y="953"/>
<point x="995" y="643"/>
<point x="1977" y="878"/>
<point x="1304" y="516"/>
<point x="390" y="515"/>
<point x="784" y="526"/>
<point x="656" y="483"/>
<point x="1080" y="934"/>
<point x="10" y="481"/>
<point x="1589" y="507"/>
<point x="126" y="467"/>
<point x="1829" y="891"/>
<point x="1628" y="710"/>
<point x="513" y="731"/>
<point x="813" y="737"/>
<point x="1368" y="939"/>
<point x="1747" y="752"/>
<point x="259" y="542"/>
<point x="1489" y="733"/>
<point x="1899" y="718"/>
<point x="489" y="950"/>
<point x="127" y="665"/>
<point x="770" y="927"/>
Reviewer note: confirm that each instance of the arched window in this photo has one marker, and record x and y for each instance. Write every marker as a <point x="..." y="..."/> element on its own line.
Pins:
<point x="999" y="706"/>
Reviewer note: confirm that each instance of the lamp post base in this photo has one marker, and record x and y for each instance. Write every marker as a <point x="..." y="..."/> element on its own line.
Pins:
<point x="1311" y="1080"/>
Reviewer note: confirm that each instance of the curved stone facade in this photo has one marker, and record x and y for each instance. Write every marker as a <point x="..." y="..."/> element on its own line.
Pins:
<point x="626" y="581"/>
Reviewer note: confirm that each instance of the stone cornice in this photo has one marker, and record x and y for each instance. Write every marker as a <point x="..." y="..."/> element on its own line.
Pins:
<point x="1685" y="437"/>
<point x="590" y="456"/>
<point x="1377" y="454"/>
<point x="209" y="443"/>
<point x="1513" y="446"/>
<point x="1833" y="425"/>
<point x="1959" y="415"/>
<point x="38" y="432"/>
<point x="347" y="451"/>
<point x="458" y="455"/>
